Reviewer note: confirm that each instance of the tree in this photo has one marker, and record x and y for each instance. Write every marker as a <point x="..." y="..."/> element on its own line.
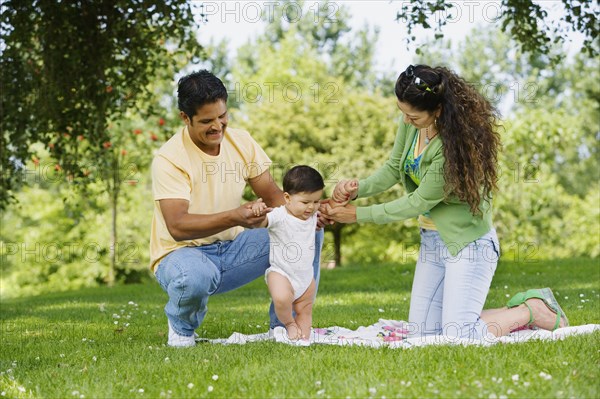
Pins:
<point x="68" y="68"/>
<point x="296" y="106"/>
<point x="524" y="20"/>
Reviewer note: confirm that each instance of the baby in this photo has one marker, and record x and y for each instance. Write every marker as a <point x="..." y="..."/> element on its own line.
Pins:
<point x="292" y="235"/>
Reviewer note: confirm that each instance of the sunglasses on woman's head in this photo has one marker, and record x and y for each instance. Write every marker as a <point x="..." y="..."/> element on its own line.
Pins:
<point x="418" y="82"/>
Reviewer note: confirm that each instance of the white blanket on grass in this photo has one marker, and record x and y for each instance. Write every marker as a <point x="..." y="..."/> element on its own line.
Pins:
<point x="393" y="334"/>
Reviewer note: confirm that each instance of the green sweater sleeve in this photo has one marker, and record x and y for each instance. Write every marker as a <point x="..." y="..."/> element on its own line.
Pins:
<point x="426" y="196"/>
<point x="388" y="174"/>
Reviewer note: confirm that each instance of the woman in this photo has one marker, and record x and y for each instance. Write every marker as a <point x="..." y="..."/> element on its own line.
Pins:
<point x="445" y="155"/>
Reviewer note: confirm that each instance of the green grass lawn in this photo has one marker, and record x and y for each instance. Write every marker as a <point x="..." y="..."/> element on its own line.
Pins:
<point x="110" y="342"/>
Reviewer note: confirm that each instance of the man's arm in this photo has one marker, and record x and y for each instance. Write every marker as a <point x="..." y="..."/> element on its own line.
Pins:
<point x="264" y="187"/>
<point x="186" y="226"/>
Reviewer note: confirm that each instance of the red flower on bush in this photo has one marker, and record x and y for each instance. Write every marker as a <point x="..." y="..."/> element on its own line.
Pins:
<point x="51" y="146"/>
<point x="153" y="137"/>
<point x="80" y="137"/>
<point x="137" y="131"/>
<point x="35" y="160"/>
<point x="109" y="89"/>
<point x="57" y="168"/>
<point x="107" y="144"/>
<point x="123" y="152"/>
<point x="161" y="122"/>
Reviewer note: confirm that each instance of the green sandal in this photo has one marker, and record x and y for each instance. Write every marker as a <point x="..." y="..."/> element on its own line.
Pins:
<point x="546" y="295"/>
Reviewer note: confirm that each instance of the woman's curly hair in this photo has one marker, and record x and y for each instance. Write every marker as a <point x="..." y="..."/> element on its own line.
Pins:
<point x="467" y="126"/>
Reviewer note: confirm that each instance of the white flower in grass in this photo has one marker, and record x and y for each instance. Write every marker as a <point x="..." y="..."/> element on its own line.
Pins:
<point x="381" y="310"/>
<point x="515" y="377"/>
<point x="166" y="359"/>
<point x="62" y="355"/>
<point x="372" y="391"/>
<point x="215" y="377"/>
<point x="545" y="376"/>
<point x="190" y="385"/>
<point x="75" y="393"/>
<point x="320" y="392"/>
<point x="526" y="383"/>
<point x="510" y="392"/>
<point x="581" y="295"/>
<point x="210" y="388"/>
<point x="94" y="358"/>
<point x="3" y="393"/>
<point x="21" y="389"/>
<point x="317" y="383"/>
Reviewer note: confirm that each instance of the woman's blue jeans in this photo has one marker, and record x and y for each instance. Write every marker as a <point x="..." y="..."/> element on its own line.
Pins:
<point x="448" y="291"/>
<point x="191" y="275"/>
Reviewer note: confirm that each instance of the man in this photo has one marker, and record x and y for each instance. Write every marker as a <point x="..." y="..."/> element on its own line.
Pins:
<point x="202" y="241"/>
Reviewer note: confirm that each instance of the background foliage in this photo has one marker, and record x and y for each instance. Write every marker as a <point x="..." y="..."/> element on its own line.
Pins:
<point x="309" y="93"/>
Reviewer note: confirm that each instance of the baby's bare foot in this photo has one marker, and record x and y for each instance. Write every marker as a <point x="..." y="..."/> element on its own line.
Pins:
<point x="293" y="331"/>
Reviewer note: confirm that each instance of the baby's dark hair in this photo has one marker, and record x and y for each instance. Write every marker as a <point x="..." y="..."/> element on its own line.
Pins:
<point x="302" y="179"/>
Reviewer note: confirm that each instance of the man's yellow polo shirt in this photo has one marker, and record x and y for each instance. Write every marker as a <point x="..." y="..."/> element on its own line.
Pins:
<point x="211" y="184"/>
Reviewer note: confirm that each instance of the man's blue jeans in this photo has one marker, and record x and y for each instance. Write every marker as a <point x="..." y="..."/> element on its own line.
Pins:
<point x="191" y="275"/>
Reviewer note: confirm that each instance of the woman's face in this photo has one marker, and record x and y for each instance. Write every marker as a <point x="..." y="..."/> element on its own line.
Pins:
<point x="417" y="118"/>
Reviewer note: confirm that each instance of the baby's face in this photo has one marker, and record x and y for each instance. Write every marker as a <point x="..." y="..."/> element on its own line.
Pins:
<point x="303" y="205"/>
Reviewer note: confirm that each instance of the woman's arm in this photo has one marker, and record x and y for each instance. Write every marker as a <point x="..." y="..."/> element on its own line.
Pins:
<point x="389" y="173"/>
<point x="427" y="195"/>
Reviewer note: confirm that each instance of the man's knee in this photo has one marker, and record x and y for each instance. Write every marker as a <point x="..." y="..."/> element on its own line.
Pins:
<point x="194" y="280"/>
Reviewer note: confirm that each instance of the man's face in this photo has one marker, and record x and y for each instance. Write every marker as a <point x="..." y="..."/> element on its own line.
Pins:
<point x="207" y="126"/>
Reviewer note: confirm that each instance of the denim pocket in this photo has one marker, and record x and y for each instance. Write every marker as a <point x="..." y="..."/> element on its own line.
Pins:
<point x="490" y="246"/>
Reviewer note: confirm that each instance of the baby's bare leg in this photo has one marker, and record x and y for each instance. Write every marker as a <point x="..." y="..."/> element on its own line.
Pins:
<point x="282" y="294"/>
<point x="303" y="307"/>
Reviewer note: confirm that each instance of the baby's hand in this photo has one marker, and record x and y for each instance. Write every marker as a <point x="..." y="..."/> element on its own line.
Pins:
<point x="343" y="192"/>
<point x="259" y="207"/>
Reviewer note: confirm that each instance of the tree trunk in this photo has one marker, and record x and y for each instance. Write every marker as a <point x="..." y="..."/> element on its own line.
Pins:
<point x="337" y="243"/>
<point x="114" y="199"/>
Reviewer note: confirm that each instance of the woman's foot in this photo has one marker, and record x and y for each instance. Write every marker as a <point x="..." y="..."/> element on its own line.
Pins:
<point x="542" y="316"/>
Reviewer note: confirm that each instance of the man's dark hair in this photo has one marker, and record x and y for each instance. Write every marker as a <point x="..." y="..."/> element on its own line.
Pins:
<point x="302" y="179"/>
<point x="197" y="89"/>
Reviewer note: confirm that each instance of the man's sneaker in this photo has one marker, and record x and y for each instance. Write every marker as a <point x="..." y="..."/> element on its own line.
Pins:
<point x="180" y="341"/>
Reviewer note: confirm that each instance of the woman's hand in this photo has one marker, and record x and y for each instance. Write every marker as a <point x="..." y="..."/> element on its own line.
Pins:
<point x="345" y="191"/>
<point x="323" y="220"/>
<point x="340" y="214"/>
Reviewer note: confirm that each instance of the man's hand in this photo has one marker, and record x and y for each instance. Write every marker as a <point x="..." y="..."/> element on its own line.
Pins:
<point x="253" y="214"/>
